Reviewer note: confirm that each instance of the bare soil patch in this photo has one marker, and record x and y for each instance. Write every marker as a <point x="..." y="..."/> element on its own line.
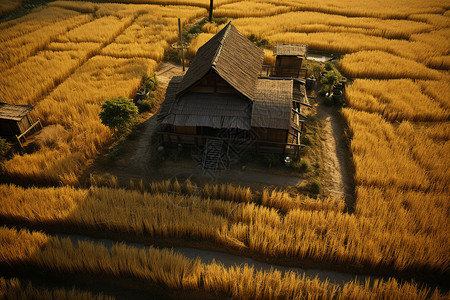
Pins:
<point x="336" y="156"/>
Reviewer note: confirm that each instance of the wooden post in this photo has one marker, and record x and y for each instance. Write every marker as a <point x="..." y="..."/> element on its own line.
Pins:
<point x="181" y="41"/>
<point x="211" y="5"/>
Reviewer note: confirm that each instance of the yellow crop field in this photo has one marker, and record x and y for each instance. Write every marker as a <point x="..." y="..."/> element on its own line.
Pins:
<point x="300" y="233"/>
<point x="382" y="65"/>
<point x="401" y="99"/>
<point x="58" y="65"/>
<point x="27" y="45"/>
<point x="7" y="6"/>
<point x="175" y="271"/>
<point x="37" y="19"/>
<point x="14" y="289"/>
<point x="82" y="79"/>
<point x="66" y="57"/>
<point x="99" y="78"/>
<point x="102" y="30"/>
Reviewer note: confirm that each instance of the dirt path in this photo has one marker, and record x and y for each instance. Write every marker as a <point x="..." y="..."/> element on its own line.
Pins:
<point x="336" y="156"/>
<point x="230" y="260"/>
<point x="140" y="158"/>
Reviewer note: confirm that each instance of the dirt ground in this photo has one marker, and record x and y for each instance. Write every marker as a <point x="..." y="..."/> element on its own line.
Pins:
<point x="140" y="158"/>
<point x="336" y="156"/>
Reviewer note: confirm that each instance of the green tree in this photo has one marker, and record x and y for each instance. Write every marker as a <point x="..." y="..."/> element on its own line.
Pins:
<point x="118" y="114"/>
<point x="330" y="79"/>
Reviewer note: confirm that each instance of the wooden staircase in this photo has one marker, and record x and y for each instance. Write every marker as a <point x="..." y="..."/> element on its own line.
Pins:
<point x="212" y="156"/>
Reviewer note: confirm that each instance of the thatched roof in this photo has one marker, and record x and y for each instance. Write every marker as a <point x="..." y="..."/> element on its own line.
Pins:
<point x="299" y="92"/>
<point x="202" y="109"/>
<point x="232" y="56"/>
<point x="14" y="112"/>
<point x="290" y="50"/>
<point x="257" y="102"/>
<point x="272" y="108"/>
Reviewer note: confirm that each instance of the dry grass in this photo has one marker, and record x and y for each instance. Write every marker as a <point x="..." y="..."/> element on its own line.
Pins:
<point x="14" y="289"/>
<point x="175" y="271"/>
<point x="383" y="154"/>
<point x="37" y="19"/>
<point x="379" y="156"/>
<point x="75" y="104"/>
<point x="397" y="99"/>
<point x="382" y="65"/>
<point x="90" y="47"/>
<point x="285" y="202"/>
<point x="7" y="6"/>
<point x="102" y="30"/>
<point x="367" y="240"/>
<point x="151" y="35"/>
<point x="48" y="68"/>
<point x="311" y="22"/>
<point x="384" y="9"/>
<point x="437" y="90"/>
<point x="228" y="192"/>
<point x="29" y="44"/>
<point x="199" y="41"/>
<point x="437" y="20"/>
<point x="250" y="9"/>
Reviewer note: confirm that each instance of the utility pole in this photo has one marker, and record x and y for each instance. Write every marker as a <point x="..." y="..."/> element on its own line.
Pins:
<point x="181" y="41"/>
<point x="210" y="10"/>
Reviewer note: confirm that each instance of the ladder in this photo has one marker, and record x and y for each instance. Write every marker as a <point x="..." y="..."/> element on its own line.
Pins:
<point x="212" y="156"/>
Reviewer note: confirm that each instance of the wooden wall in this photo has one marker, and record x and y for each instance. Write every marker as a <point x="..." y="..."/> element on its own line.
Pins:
<point x="212" y="83"/>
<point x="288" y="66"/>
<point x="271" y="135"/>
<point x="9" y="128"/>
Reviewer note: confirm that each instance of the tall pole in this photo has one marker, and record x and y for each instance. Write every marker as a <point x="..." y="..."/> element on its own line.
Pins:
<point x="211" y="5"/>
<point x="181" y="41"/>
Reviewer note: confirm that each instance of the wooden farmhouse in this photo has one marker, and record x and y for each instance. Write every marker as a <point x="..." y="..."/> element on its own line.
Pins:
<point x="224" y="104"/>
<point x="16" y="121"/>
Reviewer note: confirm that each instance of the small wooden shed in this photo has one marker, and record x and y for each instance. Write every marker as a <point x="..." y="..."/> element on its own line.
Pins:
<point x="16" y="121"/>
<point x="288" y="59"/>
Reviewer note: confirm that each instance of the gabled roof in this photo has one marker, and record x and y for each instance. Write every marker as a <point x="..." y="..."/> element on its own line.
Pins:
<point x="290" y="50"/>
<point x="232" y="56"/>
<point x="14" y="112"/>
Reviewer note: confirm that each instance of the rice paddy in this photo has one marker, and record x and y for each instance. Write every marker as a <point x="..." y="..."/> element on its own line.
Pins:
<point x="80" y="53"/>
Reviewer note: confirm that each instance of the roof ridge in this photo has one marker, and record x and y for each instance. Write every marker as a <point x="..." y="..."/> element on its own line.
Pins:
<point x="221" y="41"/>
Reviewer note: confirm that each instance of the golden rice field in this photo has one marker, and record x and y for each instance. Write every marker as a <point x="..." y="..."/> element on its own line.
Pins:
<point x="300" y="232"/>
<point x="14" y="289"/>
<point x="7" y="6"/>
<point x="78" y="62"/>
<point x="175" y="271"/>
<point x="398" y="117"/>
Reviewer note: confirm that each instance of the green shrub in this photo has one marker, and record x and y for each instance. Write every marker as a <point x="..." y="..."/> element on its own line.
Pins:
<point x="146" y="105"/>
<point x="4" y="148"/>
<point x="271" y="160"/>
<point x="306" y="140"/>
<point x="304" y="166"/>
<point x="220" y="21"/>
<point x="260" y="43"/>
<point x="315" y="187"/>
<point x="150" y="82"/>
<point x="328" y="66"/>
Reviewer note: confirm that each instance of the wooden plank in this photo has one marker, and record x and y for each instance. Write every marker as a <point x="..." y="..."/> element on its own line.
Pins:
<point x="301" y="115"/>
<point x="298" y="131"/>
<point x="29" y="128"/>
